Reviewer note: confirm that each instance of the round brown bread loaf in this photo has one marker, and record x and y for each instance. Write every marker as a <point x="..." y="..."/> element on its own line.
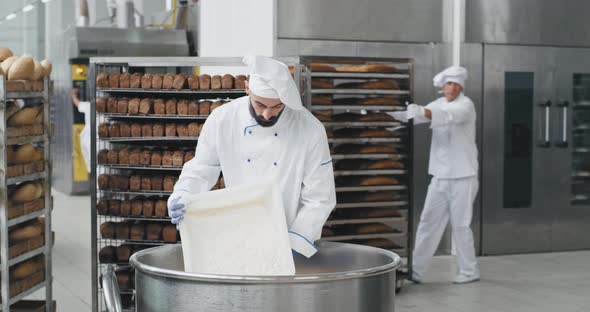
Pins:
<point x="124" y="156"/>
<point x="322" y="84"/>
<point x="385" y="164"/>
<point x="103" y="181"/>
<point x="114" y="80"/>
<point x="107" y="230"/>
<point x="182" y="107"/>
<point x="188" y="156"/>
<point x="146" y="183"/>
<point x="122" y="230"/>
<point x="135" y="130"/>
<point x="135" y="183"/>
<point x="25" y="153"/>
<point x="136" y="208"/>
<point x="125" y="208"/>
<point x="102" y="80"/>
<point x="114" y="130"/>
<point x="204" y="82"/>
<point x="114" y="207"/>
<point x="157" y="183"/>
<point x="146" y="158"/>
<point x="24" y="117"/>
<point x="112" y="105"/>
<point x="161" y="209"/>
<point x="133" y="107"/>
<point x="5" y="53"/>
<point x="122" y="106"/>
<point x="387" y="100"/>
<point x="179" y="82"/>
<point x="102" y="157"/>
<point x="227" y="82"/>
<point x="193" y="108"/>
<point x="169" y="182"/>
<point x="7" y="63"/>
<point x="124" y="80"/>
<point x="124" y="130"/>
<point x="156" y="159"/>
<point x="171" y="107"/>
<point x="239" y="82"/>
<point x="182" y="130"/>
<point x="368" y="68"/>
<point x="107" y="254"/>
<point x="320" y="67"/>
<point x="138" y="231"/>
<point x="193" y="82"/>
<point x="194" y="129"/>
<point x="216" y="82"/>
<point x="26" y="268"/>
<point x="167" y="82"/>
<point x="145" y="106"/>
<point x="148" y="208"/>
<point x="27" y="192"/>
<point x="178" y="158"/>
<point x="204" y="108"/>
<point x="157" y="81"/>
<point x="169" y="233"/>
<point x="26" y="230"/>
<point x="167" y="158"/>
<point x="135" y="81"/>
<point x="146" y="130"/>
<point x="159" y="107"/>
<point x="123" y="252"/>
<point x="113" y="157"/>
<point x="146" y="81"/>
<point x="170" y="130"/>
<point x="154" y="231"/>
<point x="101" y="104"/>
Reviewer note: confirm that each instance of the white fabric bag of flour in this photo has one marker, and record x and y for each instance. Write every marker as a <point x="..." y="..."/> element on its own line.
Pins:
<point x="237" y="231"/>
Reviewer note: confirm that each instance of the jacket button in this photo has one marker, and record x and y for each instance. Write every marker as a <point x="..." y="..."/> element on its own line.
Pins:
<point x="275" y="163"/>
<point x="276" y="134"/>
<point x="250" y="131"/>
<point x="248" y="159"/>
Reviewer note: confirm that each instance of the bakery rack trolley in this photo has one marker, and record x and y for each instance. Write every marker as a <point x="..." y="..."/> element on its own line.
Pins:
<point x="15" y="215"/>
<point x="352" y="101"/>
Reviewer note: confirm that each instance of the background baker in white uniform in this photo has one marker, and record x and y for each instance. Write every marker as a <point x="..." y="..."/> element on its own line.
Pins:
<point x="266" y="133"/>
<point x="453" y="166"/>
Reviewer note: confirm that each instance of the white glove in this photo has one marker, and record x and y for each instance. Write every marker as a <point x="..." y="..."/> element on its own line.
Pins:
<point x="415" y="110"/>
<point x="401" y="116"/>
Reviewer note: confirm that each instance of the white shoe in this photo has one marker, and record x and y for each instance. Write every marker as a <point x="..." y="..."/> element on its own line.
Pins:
<point x="464" y="279"/>
<point x="415" y="278"/>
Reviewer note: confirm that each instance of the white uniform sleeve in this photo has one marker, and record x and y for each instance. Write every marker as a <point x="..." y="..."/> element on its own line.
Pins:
<point x="202" y="172"/>
<point x="455" y="113"/>
<point x="318" y="198"/>
<point x="84" y="107"/>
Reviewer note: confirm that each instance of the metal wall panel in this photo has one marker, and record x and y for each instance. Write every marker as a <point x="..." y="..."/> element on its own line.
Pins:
<point x="528" y="22"/>
<point x="361" y="20"/>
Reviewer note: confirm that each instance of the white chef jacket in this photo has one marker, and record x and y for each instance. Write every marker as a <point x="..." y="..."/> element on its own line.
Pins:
<point x="295" y="150"/>
<point x="453" y="151"/>
<point x="84" y="107"/>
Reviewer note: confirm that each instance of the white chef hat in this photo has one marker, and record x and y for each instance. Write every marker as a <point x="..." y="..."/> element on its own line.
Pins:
<point x="455" y="74"/>
<point x="270" y="78"/>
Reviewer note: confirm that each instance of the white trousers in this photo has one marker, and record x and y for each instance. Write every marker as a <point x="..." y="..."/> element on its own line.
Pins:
<point x="447" y="199"/>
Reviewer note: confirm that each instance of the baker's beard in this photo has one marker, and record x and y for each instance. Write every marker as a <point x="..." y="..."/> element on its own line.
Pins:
<point x="261" y="120"/>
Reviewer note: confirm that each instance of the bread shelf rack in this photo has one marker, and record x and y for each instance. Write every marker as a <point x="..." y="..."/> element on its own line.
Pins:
<point x="11" y="293"/>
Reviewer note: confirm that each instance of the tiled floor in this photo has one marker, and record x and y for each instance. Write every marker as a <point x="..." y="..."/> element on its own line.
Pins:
<point x="522" y="283"/>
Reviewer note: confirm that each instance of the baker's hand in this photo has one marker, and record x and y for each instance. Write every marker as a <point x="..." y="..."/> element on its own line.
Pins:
<point x="176" y="210"/>
<point x="401" y="116"/>
<point x="415" y="110"/>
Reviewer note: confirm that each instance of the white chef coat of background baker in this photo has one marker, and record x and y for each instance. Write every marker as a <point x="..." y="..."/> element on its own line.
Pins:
<point x="266" y="133"/>
<point x="453" y="166"/>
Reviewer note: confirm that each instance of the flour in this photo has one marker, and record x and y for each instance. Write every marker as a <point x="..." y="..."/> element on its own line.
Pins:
<point x="237" y="231"/>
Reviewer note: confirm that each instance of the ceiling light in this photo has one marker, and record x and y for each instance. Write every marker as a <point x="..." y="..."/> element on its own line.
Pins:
<point x="28" y="8"/>
<point x="10" y="16"/>
<point x="45" y="1"/>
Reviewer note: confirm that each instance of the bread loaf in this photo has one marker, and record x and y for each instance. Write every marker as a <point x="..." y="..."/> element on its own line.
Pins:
<point x="355" y="197"/>
<point x="193" y="82"/>
<point x="122" y="106"/>
<point x="122" y="230"/>
<point x="123" y="182"/>
<point x="154" y="231"/>
<point x="167" y="82"/>
<point x="182" y="130"/>
<point x="204" y="108"/>
<point x="157" y="80"/>
<point x="133" y="106"/>
<point x="227" y="82"/>
<point x="114" y="80"/>
<point x="146" y="158"/>
<point x="123" y="253"/>
<point x="159" y="107"/>
<point x="370" y="228"/>
<point x="27" y="268"/>
<point x="362" y="133"/>
<point x="178" y="158"/>
<point x="145" y="106"/>
<point x="319" y="67"/>
<point x="114" y="207"/>
<point x="102" y="157"/>
<point x="216" y="82"/>
<point x="156" y="159"/>
<point x="135" y="81"/>
<point x="378" y="84"/>
<point x="136" y="208"/>
<point x="7" y="63"/>
<point x="113" y="157"/>
<point x="103" y="181"/>
<point x="363" y="149"/>
<point x="124" y="156"/>
<point x="240" y="82"/>
<point x="194" y="129"/>
<point x="101" y="105"/>
<point x="5" y="53"/>
<point x="161" y="209"/>
<point x="148" y="207"/>
<point x="182" y="107"/>
<point x="146" y="130"/>
<point x="22" y="69"/>
<point x="114" y="130"/>
<point x="170" y="130"/>
<point x="367" y="181"/>
<point x="146" y="183"/>
<point x="23" y="117"/>
<point x="124" y="130"/>
<point x="169" y="182"/>
<point x="204" y="82"/>
<point x="369" y="68"/>
<point x="321" y="116"/>
<point x="135" y="183"/>
<point x="138" y="231"/>
<point x="135" y="130"/>
<point x="107" y="254"/>
<point x="118" y="182"/>
<point x="124" y="279"/>
<point x="193" y="108"/>
<point x="179" y="82"/>
<point x="125" y="208"/>
<point x="215" y="105"/>
<point x="188" y="156"/>
<point x="171" y="107"/>
<point x="167" y="158"/>
<point x="321" y="100"/>
<point x="26" y="230"/>
<point x="387" y="100"/>
<point x="107" y="230"/>
<point x="146" y="81"/>
<point x="27" y="192"/>
<point x="158" y="130"/>
<point x="362" y="117"/>
<point x="322" y="84"/>
<point x="134" y="156"/>
<point x="169" y="233"/>
<point x="112" y="106"/>
<point x="25" y="153"/>
<point x="124" y="80"/>
<point x="157" y="183"/>
<point x="37" y="71"/>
